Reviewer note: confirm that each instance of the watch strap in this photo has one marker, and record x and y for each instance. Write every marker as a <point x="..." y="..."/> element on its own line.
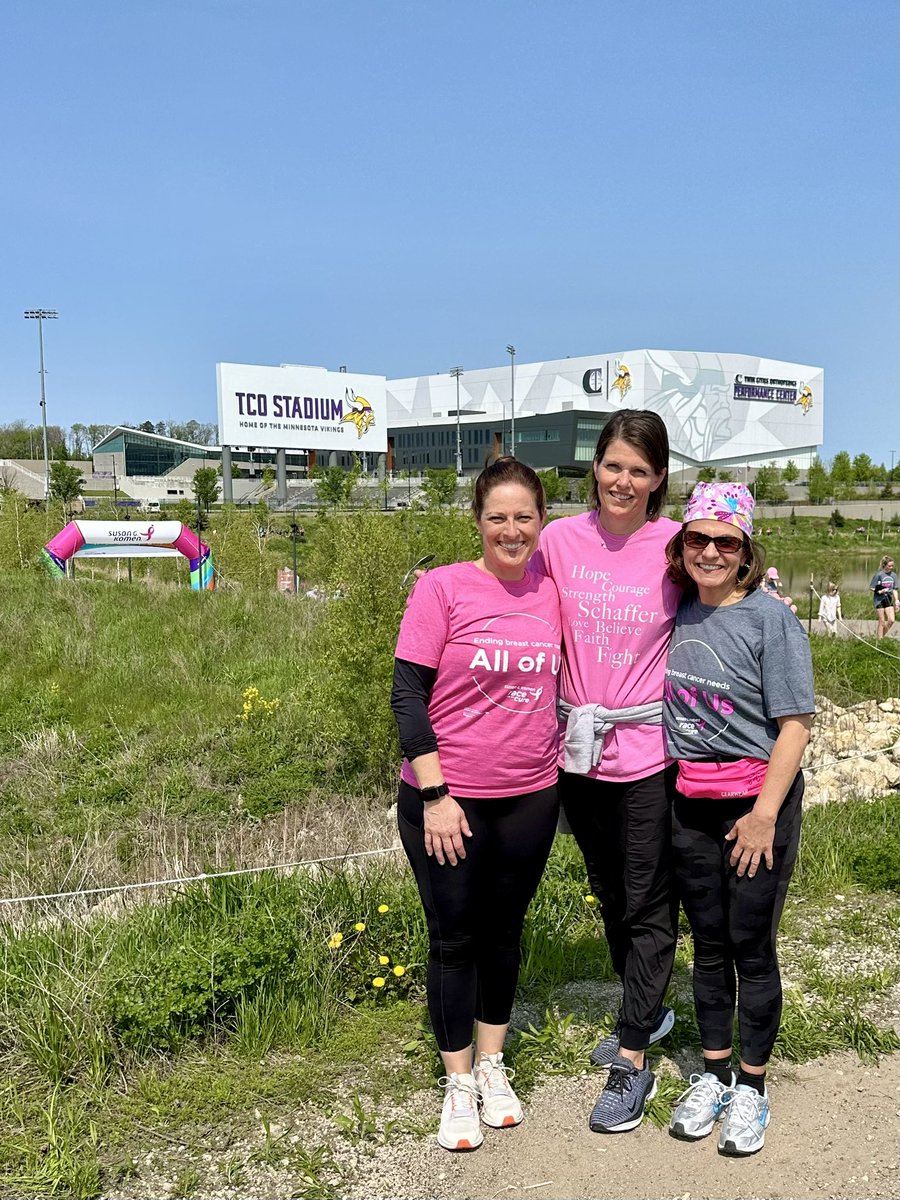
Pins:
<point x="436" y="792"/>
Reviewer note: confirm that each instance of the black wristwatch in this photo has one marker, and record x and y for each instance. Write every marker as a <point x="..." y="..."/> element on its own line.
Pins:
<point x="435" y="793"/>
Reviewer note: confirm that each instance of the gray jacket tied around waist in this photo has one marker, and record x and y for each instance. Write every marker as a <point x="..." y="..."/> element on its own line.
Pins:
<point x="588" y="724"/>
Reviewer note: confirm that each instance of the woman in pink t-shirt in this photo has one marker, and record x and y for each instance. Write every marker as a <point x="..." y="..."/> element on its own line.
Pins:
<point x="616" y="782"/>
<point x="474" y="695"/>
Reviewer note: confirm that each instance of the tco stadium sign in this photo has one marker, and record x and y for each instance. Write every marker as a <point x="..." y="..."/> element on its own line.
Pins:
<point x="301" y="408"/>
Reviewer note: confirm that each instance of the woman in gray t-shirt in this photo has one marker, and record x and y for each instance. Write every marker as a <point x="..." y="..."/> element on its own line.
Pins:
<point x="737" y="709"/>
<point x="884" y="593"/>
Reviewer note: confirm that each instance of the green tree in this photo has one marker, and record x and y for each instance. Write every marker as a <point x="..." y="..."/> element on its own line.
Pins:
<point x="554" y="488"/>
<point x="206" y="486"/>
<point x="439" y="486"/>
<point x="791" y="472"/>
<point x="842" y="478"/>
<point x="726" y="477"/>
<point x="706" y="475"/>
<point x="863" y="468"/>
<point x="268" y="477"/>
<point x="185" y="512"/>
<point x="819" y="482"/>
<point x="66" y="484"/>
<point x="769" y="488"/>
<point x="334" y="486"/>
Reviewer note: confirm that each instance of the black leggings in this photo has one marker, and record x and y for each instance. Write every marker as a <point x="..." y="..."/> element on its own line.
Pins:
<point x="475" y="910"/>
<point x="734" y="920"/>
<point x="624" y="831"/>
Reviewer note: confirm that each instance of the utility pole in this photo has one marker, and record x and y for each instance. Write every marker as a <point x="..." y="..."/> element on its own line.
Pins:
<point x="511" y="351"/>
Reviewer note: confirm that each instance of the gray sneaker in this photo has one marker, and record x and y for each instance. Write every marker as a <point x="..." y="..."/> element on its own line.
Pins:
<point x="747" y="1117"/>
<point x="621" y="1103"/>
<point x="607" y="1050"/>
<point x="699" y="1106"/>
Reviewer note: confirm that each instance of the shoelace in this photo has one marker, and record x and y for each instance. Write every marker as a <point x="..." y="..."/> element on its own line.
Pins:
<point x="620" y="1079"/>
<point x="490" y="1069"/>
<point x="742" y="1110"/>
<point x="456" y="1091"/>
<point x="700" y="1090"/>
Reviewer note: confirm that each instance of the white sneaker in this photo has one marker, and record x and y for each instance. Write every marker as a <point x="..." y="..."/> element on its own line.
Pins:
<point x="747" y="1117"/>
<point x="460" y="1127"/>
<point x="700" y="1105"/>
<point x="500" y="1105"/>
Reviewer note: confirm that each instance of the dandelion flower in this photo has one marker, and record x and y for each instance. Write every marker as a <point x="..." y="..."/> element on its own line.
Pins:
<point x="383" y="908"/>
<point x="590" y="899"/>
<point x="359" y="926"/>
<point x="383" y="960"/>
<point x="398" y="970"/>
<point x="335" y="940"/>
<point x="378" y="982"/>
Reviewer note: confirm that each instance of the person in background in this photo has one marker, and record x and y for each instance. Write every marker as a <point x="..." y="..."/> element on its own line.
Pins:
<point x="616" y="783"/>
<point x="884" y="594"/>
<point x="830" y="609"/>
<point x="771" y="583"/>
<point x="474" y="695"/>
<point x="738" y="711"/>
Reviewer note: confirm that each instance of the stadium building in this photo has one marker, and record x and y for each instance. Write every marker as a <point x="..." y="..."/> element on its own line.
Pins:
<point x="727" y="411"/>
<point x="721" y="410"/>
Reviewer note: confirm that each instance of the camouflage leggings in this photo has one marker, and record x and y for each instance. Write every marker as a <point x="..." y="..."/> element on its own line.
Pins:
<point x="734" y="921"/>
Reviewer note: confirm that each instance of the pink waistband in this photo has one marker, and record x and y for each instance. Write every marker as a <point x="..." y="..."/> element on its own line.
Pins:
<point x="721" y="780"/>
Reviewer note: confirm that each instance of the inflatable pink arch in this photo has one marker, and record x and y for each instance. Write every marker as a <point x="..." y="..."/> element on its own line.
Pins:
<point x="130" y="539"/>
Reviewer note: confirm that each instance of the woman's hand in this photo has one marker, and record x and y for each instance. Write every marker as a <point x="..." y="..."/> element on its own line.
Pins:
<point x="445" y="827"/>
<point x="753" y="835"/>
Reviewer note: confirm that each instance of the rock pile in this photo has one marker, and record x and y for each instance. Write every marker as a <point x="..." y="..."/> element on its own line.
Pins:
<point x="834" y="770"/>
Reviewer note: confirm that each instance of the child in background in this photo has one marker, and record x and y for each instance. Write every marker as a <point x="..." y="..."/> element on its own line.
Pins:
<point x="830" y="609"/>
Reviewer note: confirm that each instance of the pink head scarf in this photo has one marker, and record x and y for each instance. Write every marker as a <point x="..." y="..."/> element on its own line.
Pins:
<point x="730" y="503"/>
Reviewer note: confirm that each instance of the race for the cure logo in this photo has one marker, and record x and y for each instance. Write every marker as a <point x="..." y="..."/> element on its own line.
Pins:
<point x="513" y="661"/>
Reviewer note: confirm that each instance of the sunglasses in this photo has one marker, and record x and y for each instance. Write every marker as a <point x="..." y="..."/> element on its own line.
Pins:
<point x="724" y="544"/>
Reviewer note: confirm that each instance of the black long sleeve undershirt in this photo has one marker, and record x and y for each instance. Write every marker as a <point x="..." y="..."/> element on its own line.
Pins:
<point x="410" y="692"/>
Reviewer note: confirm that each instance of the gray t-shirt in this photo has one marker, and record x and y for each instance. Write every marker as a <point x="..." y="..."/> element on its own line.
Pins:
<point x="731" y="671"/>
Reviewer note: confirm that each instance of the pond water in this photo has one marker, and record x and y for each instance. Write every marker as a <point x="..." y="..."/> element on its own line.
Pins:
<point x="855" y="570"/>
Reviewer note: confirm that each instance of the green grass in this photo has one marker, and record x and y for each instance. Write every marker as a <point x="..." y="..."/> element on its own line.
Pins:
<point x="124" y="752"/>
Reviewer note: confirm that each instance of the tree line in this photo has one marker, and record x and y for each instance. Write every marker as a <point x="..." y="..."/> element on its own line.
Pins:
<point x="841" y="479"/>
<point x="19" y="439"/>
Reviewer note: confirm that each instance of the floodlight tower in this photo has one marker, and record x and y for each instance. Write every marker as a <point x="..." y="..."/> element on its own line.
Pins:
<point x="40" y="315"/>
<point x="511" y="351"/>
<point x="456" y="372"/>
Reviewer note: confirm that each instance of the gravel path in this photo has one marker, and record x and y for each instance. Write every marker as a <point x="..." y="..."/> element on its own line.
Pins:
<point x="833" y="1135"/>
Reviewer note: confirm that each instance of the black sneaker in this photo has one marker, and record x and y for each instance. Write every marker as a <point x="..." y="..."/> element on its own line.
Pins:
<point x="607" y="1050"/>
<point x="621" y="1103"/>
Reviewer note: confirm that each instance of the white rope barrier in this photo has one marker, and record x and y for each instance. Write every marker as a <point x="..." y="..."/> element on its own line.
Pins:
<point x="150" y="883"/>
<point x="303" y="862"/>
<point x="853" y="633"/>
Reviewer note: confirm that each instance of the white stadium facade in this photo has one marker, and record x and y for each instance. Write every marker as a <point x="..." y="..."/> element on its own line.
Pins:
<point x="725" y="411"/>
<point x="721" y="410"/>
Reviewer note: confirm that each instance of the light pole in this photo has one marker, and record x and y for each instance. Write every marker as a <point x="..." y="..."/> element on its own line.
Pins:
<point x="456" y="372"/>
<point x="511" y="351"/>
<point x="40" y="315"/>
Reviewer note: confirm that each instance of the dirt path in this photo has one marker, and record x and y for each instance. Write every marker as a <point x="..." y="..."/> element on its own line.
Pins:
<point x="834" y="1134"/>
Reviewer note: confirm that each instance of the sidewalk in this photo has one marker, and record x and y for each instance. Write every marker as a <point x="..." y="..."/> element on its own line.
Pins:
<point x="855" y="624"/>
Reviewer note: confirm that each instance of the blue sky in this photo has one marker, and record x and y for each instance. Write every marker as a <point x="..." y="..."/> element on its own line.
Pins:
<point x="401" y="187"/>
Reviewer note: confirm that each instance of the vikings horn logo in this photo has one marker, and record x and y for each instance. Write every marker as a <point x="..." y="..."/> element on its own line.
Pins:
<point x="360" y="414"/>
<point x="622" y="381"/>
<point x="805" y="399"/>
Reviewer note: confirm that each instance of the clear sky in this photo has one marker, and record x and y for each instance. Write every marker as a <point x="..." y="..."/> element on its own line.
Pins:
<point x="403" y="187"/>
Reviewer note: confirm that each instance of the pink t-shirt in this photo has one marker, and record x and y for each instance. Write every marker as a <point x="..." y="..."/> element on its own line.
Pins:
<point x="618" y="609"/>
<point x="496" y="646"/>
